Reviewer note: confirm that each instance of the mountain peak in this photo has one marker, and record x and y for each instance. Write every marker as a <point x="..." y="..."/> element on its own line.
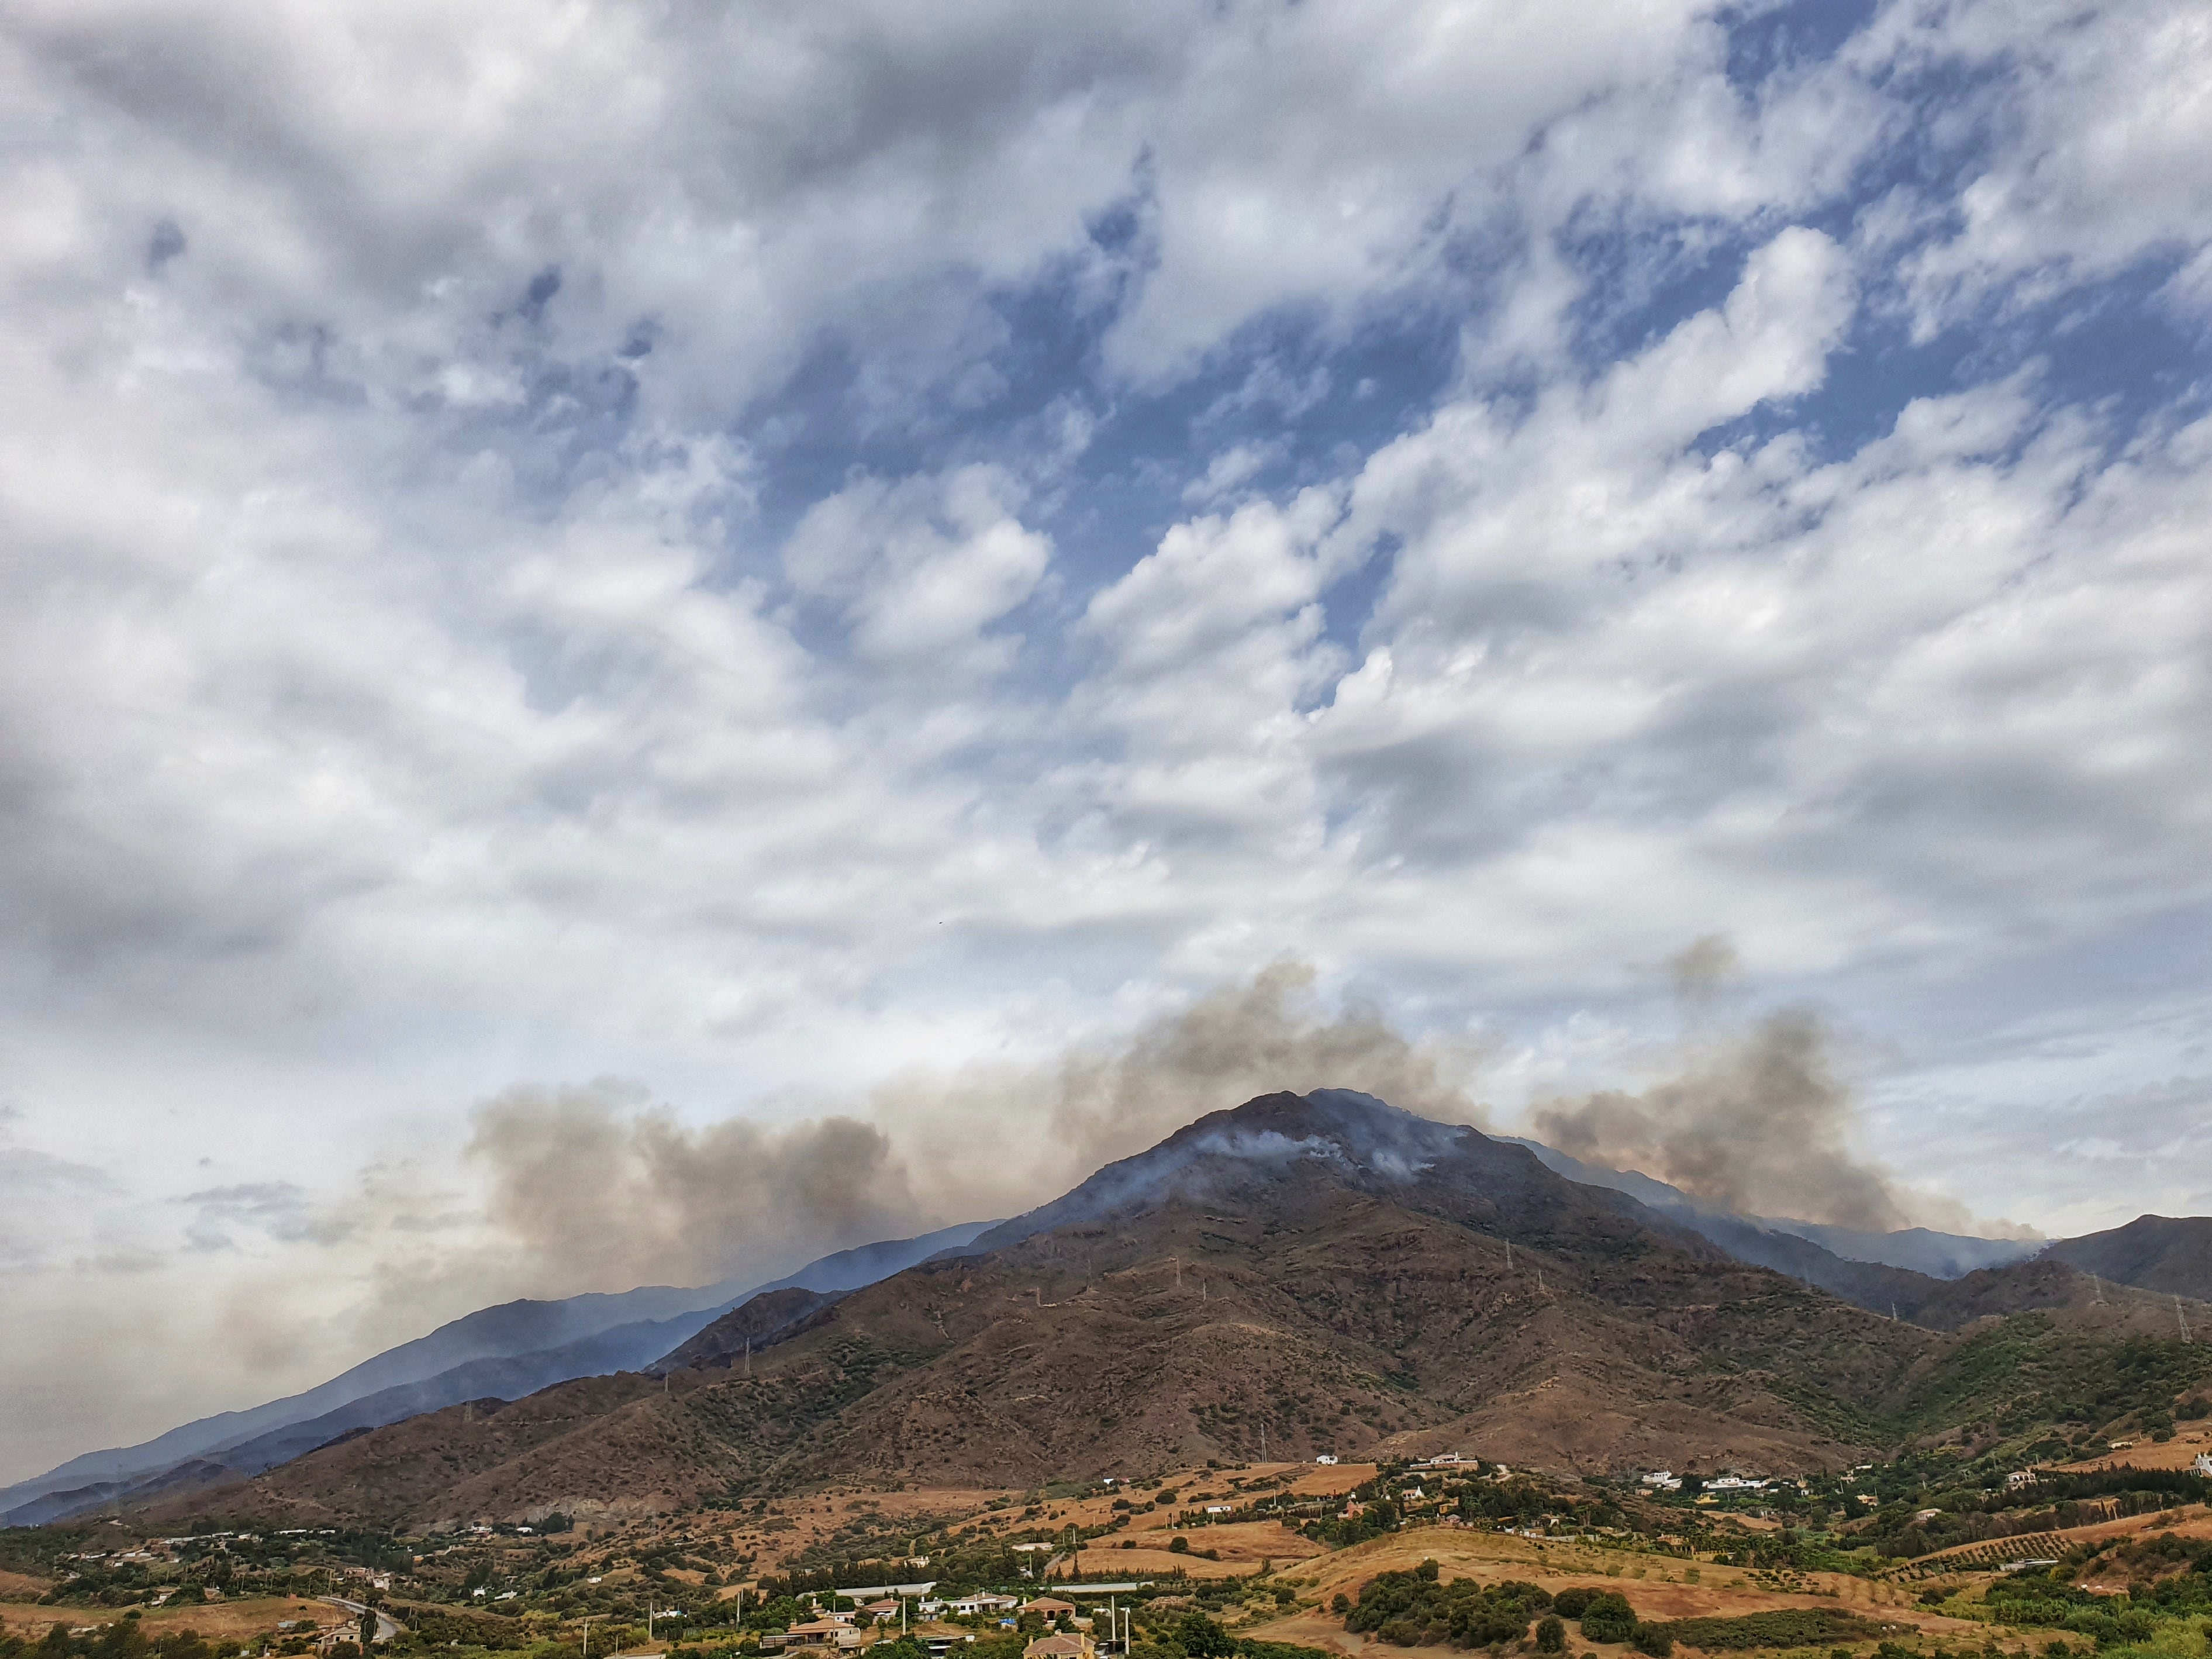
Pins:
<point x="1353" y="1136"/>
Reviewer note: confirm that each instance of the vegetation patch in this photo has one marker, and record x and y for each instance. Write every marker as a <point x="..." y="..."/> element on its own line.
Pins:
<point x="1413" y="1610"/>
<point x="1782" y="1627"/>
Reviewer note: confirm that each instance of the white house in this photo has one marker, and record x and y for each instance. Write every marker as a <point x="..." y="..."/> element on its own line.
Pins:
<point x="2203" y="1465"/>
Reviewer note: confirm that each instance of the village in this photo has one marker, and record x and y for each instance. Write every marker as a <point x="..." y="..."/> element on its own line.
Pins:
<point x="1245" y="1561"/>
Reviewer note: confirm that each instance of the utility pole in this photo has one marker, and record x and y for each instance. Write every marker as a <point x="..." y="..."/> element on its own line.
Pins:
<point x="2183" y="1317"/>
<point x="1509" y="1256"/>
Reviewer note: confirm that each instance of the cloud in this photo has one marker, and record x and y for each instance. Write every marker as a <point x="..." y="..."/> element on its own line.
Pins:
<point x="279" y="1209"/>
<point x="918" y="569"/>
<point x="2097" y="127"/>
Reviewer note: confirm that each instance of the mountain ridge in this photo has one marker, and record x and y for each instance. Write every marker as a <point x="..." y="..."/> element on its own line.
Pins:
<point x="281" y="1429"/>
<point x="1325" y="1268"/>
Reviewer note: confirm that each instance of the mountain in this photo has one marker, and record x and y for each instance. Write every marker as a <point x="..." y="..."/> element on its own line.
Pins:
<point x="505" y="1352"/>
<point x="1915" y="1249"/>
<point x="1342" y="1275"/>
<point x="1919" y="1250"/>
<point x="730" y="1340"/>
<point x="2153" y="1253"/>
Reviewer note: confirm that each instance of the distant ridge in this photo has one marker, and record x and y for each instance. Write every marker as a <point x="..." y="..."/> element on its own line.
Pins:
<point x="1918" y="1249"/>
<point x="2172" y="1254"/>
<point x="505" y="1352"/>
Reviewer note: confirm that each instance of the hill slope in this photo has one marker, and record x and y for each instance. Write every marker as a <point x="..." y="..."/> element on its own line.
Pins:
<point x="2153" y="1253"/>
<point x="1325" y="1269"/>
<point x="505" y="1352"/>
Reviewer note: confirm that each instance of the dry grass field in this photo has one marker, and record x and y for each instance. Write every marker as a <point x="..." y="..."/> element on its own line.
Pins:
<point x="215" y="1620"/>
<point x="1659" y="1587"/>
<point x="2177" y="1453"/>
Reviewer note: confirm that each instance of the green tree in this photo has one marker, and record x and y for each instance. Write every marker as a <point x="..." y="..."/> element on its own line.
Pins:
<point x="1551" y="1634"/>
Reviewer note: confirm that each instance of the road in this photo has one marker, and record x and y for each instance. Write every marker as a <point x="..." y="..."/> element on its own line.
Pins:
<point x="386" y="1626"/>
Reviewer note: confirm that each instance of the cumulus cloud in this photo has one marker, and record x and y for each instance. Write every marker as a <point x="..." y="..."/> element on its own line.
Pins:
<point x="920" y="568"/>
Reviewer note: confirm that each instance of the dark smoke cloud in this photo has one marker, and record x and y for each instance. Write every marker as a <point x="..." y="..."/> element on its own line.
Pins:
<point x="603" y="1190"/>
<point x="1757" y="1124"/>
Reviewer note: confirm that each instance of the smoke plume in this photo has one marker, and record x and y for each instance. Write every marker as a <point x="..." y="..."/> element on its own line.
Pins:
<point x="602" y="1190"/>
<point x="595" y="1188"/>
<point x="1756" y="1123"/>
<point x="1052" y="1125"/>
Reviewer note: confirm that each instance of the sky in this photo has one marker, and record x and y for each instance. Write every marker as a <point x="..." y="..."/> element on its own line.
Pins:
<point x="624" y="625"/>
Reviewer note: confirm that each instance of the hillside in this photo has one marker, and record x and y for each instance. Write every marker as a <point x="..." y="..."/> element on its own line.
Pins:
<point x="1325" y="1269"/>
<point x="2153" y="1252"/>
<point x="504" y="1352"/>
<point x="1301" y="1274"/>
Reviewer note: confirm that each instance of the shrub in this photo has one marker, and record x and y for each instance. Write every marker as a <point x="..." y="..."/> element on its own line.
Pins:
<point x="1652" y="1639"/>
<point x="1608" y="1618"/>
<point x="1411" y="1608"/>
<point x="1551" y="1634"/>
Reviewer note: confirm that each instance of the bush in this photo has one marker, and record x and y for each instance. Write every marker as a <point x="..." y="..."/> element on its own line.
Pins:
<point x="1409" y="1609"/>
<point x="1551" y="1634"/>
<point x="1201" y="1639"/>
<point x="1652" y="1639"/>
<point x="1608" y="1618"/>
<point x="1570" y="1603"/>
<point x="1782" y="1627"/>
<point x="1178" y="1545"/>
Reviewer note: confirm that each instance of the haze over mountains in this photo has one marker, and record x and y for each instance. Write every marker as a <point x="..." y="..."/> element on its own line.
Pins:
<point x="504" y="1352"/>
<point x="1327" y="1270"/>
